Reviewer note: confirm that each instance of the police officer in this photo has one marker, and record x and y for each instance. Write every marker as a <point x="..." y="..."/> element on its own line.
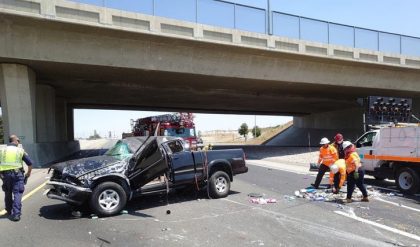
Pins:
<point x="12" y="174"/>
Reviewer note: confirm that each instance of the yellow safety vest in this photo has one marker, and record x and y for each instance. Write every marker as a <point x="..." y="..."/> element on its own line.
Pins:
<point x="11" y="158"/>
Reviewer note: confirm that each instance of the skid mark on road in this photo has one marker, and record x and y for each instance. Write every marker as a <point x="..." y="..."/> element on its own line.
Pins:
<point x="3" y="212"/>
<point x="312" y="227"/>
<point x="355" y="217"/>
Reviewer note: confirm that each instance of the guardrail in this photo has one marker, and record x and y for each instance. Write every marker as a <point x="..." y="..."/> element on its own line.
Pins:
<point x="226" y="14"/>
<point x="70" y="11"/>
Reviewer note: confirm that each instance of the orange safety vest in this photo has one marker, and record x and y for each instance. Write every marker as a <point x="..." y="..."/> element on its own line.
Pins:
<point x="328" y="156"/>
<point x="352" y="161"/>
<point x="341" y="163"/>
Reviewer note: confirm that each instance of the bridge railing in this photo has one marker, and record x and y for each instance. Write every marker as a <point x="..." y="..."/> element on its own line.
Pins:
<point x="224" y="13"/>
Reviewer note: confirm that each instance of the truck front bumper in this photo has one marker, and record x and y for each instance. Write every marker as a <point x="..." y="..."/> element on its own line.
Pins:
<point x="69" y="193"/>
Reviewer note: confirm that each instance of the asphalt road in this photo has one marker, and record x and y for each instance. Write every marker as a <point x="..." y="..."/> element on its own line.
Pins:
<point x="195" y="220"/>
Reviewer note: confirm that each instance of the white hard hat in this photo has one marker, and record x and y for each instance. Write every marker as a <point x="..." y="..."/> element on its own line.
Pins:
<point x="334" y="168"/>
<point x="346" y="144"/>
<point x="324" y="141"/>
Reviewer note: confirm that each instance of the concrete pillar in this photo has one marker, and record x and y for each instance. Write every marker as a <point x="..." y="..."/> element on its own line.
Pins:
<point x="61" y="119"/>
<point x="343" y="119"/>
<point x="70" y="124"/>
<point x="17" y="96"/>
<point x="45" y="114"/>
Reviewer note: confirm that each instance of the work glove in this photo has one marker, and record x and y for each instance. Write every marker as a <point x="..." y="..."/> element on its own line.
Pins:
<point x="356" y="175"/>
<point x="25" y="180"/>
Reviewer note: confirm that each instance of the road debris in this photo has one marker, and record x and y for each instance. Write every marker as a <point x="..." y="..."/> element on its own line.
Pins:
<point x="124" y="212"/>
<point x="262" y="200"/>
<point x="255" y="195"/>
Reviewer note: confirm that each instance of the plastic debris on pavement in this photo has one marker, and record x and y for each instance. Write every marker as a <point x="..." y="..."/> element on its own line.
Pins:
<point x="258" y="198"/>
<point x="263" y="200"/>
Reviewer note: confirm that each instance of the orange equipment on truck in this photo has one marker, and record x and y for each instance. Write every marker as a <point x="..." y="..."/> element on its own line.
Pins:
<point x="177" y="125"/>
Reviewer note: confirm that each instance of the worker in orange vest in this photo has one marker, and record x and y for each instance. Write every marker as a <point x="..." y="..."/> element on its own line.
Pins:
<point x="327" y="156"/>
<point x="337" y="175"/>
<point x="355" y="172"/>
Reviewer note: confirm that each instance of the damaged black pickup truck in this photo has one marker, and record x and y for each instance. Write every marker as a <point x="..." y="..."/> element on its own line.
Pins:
<point x="107" y="182"/>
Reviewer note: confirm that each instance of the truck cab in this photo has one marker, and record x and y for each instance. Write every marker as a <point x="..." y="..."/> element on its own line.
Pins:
<point x="392" y="153"/>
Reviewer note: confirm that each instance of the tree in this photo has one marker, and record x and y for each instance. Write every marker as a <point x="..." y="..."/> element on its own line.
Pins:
<point x="256" y="131"/>
<point x="1" y="130"/>
<point x="95" y="136"/>
<point x="243" y="130"/>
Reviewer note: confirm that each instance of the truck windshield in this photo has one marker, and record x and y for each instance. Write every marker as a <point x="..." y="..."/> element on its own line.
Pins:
<point x="180" y="132"/>
<point x="119" y="151"/>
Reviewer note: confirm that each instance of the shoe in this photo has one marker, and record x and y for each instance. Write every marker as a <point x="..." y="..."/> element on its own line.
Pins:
<point x="349" y="200"/>
<point x="365" y="199"/>
<point x="315" y="187"/>
<point x="15" y="218"/>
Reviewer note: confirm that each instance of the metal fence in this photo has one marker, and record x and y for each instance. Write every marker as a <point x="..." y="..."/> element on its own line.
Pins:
<point x="254" y="19"/>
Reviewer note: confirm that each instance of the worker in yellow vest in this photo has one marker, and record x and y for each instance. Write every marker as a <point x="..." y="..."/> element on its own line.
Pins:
<point x="13" y="176"/>
<point x="327" y="156"/>
<point x="338" y="174"/>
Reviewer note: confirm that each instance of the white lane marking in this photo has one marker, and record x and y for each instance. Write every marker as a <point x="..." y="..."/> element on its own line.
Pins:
<point x="397" y="204"/>
<point x="314" y="227"/>
<point x="384" y="188"/>
<point x="355" y="217"/>
<point x="282" y="169"/>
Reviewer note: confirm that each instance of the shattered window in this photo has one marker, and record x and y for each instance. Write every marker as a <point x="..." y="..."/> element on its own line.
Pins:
<point x="119" y="151"/>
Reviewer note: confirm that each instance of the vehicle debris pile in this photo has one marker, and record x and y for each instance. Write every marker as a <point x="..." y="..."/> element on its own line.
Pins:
<point x="326" y="195"/>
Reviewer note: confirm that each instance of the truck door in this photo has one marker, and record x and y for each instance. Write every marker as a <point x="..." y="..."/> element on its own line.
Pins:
<point x="365" y="150"/>
<point x="147" y="164"/>
<point x="182" y="163"/>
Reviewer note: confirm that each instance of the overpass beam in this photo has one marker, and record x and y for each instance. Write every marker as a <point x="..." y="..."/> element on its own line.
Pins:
<point x="17" y="95"/>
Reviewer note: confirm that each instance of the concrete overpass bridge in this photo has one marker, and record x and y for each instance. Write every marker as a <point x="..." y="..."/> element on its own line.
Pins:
<point x="59" y="55"/>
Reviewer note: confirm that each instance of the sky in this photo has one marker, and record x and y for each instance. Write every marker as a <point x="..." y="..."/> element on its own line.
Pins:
<point x="395" y="16"/>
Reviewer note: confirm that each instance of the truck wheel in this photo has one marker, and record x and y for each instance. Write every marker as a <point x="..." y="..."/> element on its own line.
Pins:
<point x="219" y="184"/>
<point x="407" y="180"/>
<point x="108" y="199"/>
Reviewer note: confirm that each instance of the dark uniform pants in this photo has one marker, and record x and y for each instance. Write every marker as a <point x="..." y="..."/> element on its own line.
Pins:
<point x="321" y="171"/>
<point x="13" y="187"/>
<point x="360" y="183"/>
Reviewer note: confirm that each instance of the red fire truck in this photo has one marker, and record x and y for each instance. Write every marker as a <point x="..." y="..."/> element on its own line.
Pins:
<point x="178" y="125"/>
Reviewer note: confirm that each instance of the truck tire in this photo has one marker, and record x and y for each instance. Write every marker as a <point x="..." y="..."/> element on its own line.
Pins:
<point x="407" y="180"/>
<point x="107" y="199"/>
<point x="219" y="184"/>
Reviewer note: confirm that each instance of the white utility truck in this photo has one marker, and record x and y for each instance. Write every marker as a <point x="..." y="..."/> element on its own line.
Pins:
<point x="392" y="153"/>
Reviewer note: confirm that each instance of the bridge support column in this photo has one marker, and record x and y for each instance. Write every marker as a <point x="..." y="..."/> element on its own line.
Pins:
<point x="61" y="119"/>
<point x="349" y="122"/>
<point x="308" y="130"/>
<point x="17" y="96"/>
<point x="45" y="113"/>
